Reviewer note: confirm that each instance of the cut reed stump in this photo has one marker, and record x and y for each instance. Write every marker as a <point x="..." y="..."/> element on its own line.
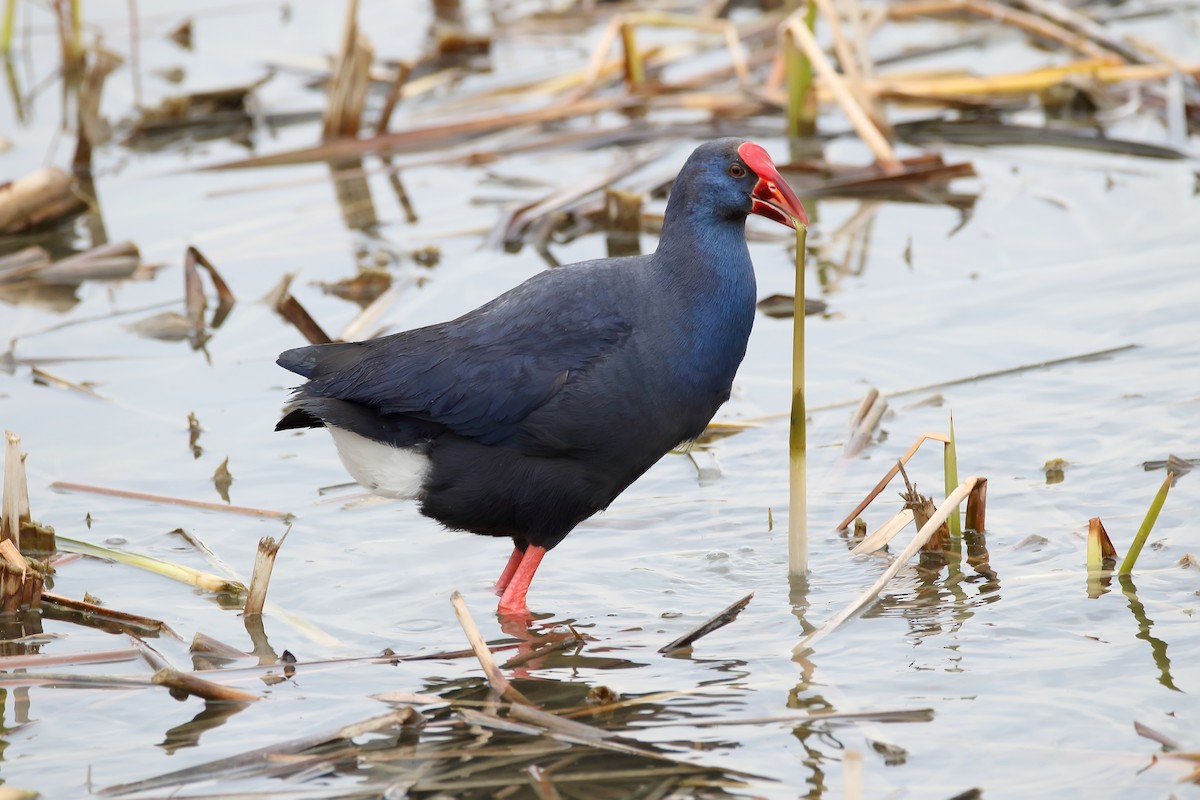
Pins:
<point x="21" y="579"/>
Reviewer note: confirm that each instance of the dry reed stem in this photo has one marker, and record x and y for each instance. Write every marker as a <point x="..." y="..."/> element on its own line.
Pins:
<point x="67" y="486"/>
<point x="976" y="516"/>
<point x="922" y="536"/>
<point x="859" y="119"/>
<point x="42" y="196"/>
<point x="264" y="563"/>
<point x="14" y="505"/>
<point x="495" y="677"/>
<point x="1085" y="26"/>
<point x="715" y="622"/>
<point x="852" y="766"/>
<point x="290" y="309"/>
<point x="541" y="784"/>
<point x="187" y="683"/>
<point x="1025" y="82"/>
<point x="351" y="78"/>
<point x="864" y="422"/>
<point x="47" y="378"/>
<point x="884" y="533"/>
<point x="848" y="60"/>
<point x="394" y="95"/>
<point x="21" y="582"/>
<point x="1005" y="15"/>
<point x="891" y="473"/>
<point x="121" y="618"/>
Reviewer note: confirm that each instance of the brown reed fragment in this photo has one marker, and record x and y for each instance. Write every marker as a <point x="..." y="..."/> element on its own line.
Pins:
<point x="107" y="618"/>
<point x="543" y="787"/>
<point x="203" y="644"/>
<point x="42" y="660"/>
<point x="67" y="486"/>
<point x="21" y="582"/>
<point x="1005" y="15"/>
<point x="91" y="129"/>
<point x="891" y="473"/>
<point x="863" y="423"/>
<point x="395" y="92"/>
<point x="264" y="562"/>
<point x="291" y="310"/>
<point x="225" y="299"/>
<point x="188" y="684"/>
<point x="717" y="621"/>
<point x="976" y="516"/>
<point x="43" y="196"/>
<point x="923" y="508"/>
<point x="495" y="677"/>
<point x="350" y="80"/>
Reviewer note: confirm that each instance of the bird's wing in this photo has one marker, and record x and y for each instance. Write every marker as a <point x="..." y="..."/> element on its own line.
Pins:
<point x="478" y="375"/>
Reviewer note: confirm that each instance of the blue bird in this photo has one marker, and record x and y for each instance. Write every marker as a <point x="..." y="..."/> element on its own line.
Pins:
<point x="531" y="413"/>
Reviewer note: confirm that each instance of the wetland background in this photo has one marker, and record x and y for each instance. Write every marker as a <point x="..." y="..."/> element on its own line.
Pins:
<point x="1008" y="677"/>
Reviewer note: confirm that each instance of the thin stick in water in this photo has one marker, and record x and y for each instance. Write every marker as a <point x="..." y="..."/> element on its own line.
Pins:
<point x="479" y="645"/>
<point x="797" y="440"/>
<point x="719" y="621"/>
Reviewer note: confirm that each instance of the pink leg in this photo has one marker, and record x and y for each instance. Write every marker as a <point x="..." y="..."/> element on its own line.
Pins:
<point x="513" y="599"/>
<point x="509" y="569"/>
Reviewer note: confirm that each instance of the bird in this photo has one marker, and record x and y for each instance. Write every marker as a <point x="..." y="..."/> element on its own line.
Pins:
<point x="533" y="412"/>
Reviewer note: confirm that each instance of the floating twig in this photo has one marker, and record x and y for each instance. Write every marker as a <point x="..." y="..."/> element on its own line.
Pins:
<point x="67" y="486"/>
<point x="719" y="620"/>
<point x="186" y="683"/>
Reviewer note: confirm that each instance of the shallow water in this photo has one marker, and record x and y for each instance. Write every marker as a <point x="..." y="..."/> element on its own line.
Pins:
<point x="1034" y="687"/>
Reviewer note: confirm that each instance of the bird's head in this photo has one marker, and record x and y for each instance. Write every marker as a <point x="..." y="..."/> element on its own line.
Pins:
<point x="738" y="177"/>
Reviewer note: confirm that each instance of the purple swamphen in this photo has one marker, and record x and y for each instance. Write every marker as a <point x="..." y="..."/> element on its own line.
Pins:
<point x="531" y="413"/>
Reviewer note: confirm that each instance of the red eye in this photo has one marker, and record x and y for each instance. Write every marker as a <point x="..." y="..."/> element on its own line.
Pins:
<point x="737" y="170"/>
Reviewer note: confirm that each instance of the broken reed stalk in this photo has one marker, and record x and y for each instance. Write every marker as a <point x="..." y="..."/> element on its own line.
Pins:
<point x="1099" y="547"/>
<point x="15" y="503"/>
<point x="797" y="439"/>
<point x="67" y="486"/>
<point x="264" y="562"/>
<point x="1135" y="548"/>
<point x="715" y="622"/>
<point x="921" y="537"/>
<point x="178" y="572"/>
<point x="977" y="507"/>
<point x="950" y="467"/>
<point x="891" y="473"/>
<point x="859" y="119"/>
<point x="495" y="677"/>
<point x="186" y="683"/>
<point x="350" y="81"/>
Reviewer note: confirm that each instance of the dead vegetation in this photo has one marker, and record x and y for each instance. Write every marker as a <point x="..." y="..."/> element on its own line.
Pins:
<point x="717" y="73"/>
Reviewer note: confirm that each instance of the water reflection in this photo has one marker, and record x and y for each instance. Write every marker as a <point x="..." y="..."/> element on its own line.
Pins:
<point x="938" y="605"/>
<point x="1158" y="648"/>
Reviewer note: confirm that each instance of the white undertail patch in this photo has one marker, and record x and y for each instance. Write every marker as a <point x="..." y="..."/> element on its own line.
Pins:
<point x="385" y="470"/>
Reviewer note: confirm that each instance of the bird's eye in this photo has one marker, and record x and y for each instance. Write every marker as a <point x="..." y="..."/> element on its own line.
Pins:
<point x="737" y="170"/>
